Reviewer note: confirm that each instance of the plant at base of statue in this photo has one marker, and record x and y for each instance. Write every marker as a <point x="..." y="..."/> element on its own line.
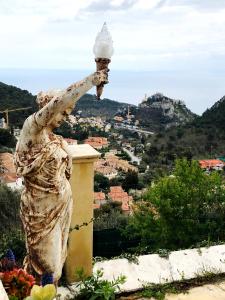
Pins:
<point x="96" y="288"/>
<point x="17" y="283"/>
<point x="47" y="292"/>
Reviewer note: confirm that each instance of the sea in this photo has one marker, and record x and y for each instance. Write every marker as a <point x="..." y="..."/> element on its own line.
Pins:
<point x="198" y="91"/>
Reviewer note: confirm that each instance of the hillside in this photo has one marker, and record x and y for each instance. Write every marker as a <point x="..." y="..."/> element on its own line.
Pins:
<point x="204" y="137"/>
<point x="215" y="116"/>
<point x="91" y="107"/>
<point x="12" y="97"/>
<point x="159" y="110"/>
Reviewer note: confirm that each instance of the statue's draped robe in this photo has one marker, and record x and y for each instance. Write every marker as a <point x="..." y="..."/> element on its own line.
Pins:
<point x="46" y="202"/>
<point x="44" y="163"/>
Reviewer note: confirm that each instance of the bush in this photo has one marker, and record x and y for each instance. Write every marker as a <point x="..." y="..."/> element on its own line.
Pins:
<point x="14" y="240"/>
<point x="7" y="139"/>
<point x="10" y="224"/>
<point x="9" y="212"/>
<point x="181" y="210"/>
<point x="101" y="183"/>
<point x="96" y="288"/>
<point x="109" y="215"/>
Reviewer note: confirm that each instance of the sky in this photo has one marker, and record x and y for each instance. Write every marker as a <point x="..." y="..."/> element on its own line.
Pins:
<point x="172" y="46"/>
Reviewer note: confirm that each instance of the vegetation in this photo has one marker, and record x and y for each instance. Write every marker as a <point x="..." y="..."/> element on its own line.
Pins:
<point x="10" y="225"/>
<point x="180" y="210"/>
<point x="92" y="107"/>
<point x="9" y="212"/>
<point x="159" y="291"/>
<point x="12" y="97"/>
<point x="130" y="181"/>
<point x="109" y="216"/>
<point x="7" y="140"/>
<point x="101" y="183"/>
<point x="96" y="288"/>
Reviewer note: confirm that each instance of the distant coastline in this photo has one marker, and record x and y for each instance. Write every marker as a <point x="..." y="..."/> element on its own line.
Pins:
<point x="126" y="86"/>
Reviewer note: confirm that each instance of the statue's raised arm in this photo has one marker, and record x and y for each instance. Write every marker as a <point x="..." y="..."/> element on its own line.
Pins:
<point x="56" y="106"/>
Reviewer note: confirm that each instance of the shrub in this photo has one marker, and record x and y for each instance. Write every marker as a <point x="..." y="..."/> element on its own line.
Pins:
<point x="181" y="210"/>
<point x="96" y="288"/>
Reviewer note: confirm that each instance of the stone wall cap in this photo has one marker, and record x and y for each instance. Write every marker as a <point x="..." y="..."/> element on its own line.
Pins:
<point x="83" y="151"/>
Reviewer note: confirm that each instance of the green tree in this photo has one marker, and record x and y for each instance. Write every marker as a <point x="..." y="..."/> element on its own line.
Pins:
<point x="181" y="210"/>
<point x="101" y="183"/>
<point x="7" y="139"/>
<point x="130" y="181"/>
<point x="10" y="225"/>
<point x="9" y="212"/>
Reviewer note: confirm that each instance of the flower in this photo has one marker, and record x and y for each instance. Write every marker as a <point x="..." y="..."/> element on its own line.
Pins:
<point x="46" y="292"/>
<point x="17" y="283"/>
<point x="10" y="256"/>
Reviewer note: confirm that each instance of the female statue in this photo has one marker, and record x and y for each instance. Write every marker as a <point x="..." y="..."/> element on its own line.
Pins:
<point x="42" y="158"/>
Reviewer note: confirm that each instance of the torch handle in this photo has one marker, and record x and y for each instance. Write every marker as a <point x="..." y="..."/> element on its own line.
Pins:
<point x="101" y="64"/>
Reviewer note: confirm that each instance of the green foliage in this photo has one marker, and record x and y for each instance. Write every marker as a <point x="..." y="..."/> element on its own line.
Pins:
<point x="12" y="97"/>
<point x="96" y="288"/>
<point x="181" y="210"/>
<point x="10" y="224"/>
<point x="13" y="298"/>
<point x="91" y="107"/>
<point x="109" y="216"/>
<point x="9" y="212"/>
<point x="158" y="292"/>
<point x="123" y="155"/>
<point x="76" y="132"/>
<point x="130" y="181"/>
<point x="13" y="240"/>
<point x="101" y="183"/>
<point x="7" y="139"/>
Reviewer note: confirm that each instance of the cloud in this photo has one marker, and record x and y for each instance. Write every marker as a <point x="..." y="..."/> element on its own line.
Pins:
<point x="199" y="4"/>
<point x="102" y="5"/>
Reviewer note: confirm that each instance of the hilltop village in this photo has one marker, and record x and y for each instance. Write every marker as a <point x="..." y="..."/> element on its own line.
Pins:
<point x="129" y="146"/>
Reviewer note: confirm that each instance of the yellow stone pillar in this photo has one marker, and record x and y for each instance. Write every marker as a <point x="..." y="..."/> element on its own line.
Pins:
<point x="80" y="243"/>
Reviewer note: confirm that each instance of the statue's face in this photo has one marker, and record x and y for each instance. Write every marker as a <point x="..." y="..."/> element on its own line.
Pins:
<point x="59" y="118"/>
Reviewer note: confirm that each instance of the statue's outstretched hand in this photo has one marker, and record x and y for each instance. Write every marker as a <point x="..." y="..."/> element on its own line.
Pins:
<point x="100" y="77"/>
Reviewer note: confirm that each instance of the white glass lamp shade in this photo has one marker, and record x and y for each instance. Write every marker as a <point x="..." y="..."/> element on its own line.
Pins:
<point x="103" y="47"/>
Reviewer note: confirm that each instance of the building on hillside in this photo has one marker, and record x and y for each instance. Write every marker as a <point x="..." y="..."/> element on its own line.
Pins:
<point x="221" y="158"/>
<point x="99" y="198"/>
<point x="96" y="206"/>
<point x="8" y="171"/>
<point x="111" y="164"/>
<point x="119" y="195"/>
<point x="104" y="169"/>
<point x="3" y="123"/>
<point x="211" y="164"/>
<point x="108" y="127"/>
<point x="97" y="142"/>
<point x="118" y="119"/>
<point x="70" y="141"/>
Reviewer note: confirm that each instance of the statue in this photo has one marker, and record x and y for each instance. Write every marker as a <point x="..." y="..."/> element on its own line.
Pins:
<point x="42" y="158"/>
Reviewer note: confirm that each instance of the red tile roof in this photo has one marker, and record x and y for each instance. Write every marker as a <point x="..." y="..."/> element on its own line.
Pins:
<point x="96" y="206"/>
<point x="97" y="142"/>
<point x="118" y="194"/>
<point x="71" y="141"/>
<point x="8" y="169"/>
<point x="99" y="196"/>
<point x="210" y="163"/>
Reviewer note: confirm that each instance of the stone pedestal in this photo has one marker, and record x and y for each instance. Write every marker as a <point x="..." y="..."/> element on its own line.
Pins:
<point x="80" y="243"/>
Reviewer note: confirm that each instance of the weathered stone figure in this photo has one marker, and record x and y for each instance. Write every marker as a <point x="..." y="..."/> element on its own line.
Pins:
<point x="42" y="158"/>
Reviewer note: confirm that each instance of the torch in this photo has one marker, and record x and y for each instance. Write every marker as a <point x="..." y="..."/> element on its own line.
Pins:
<point x="103" y="51"/>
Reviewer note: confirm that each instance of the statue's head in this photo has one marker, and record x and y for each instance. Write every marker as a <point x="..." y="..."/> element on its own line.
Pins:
<point x="44" y="97"/>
